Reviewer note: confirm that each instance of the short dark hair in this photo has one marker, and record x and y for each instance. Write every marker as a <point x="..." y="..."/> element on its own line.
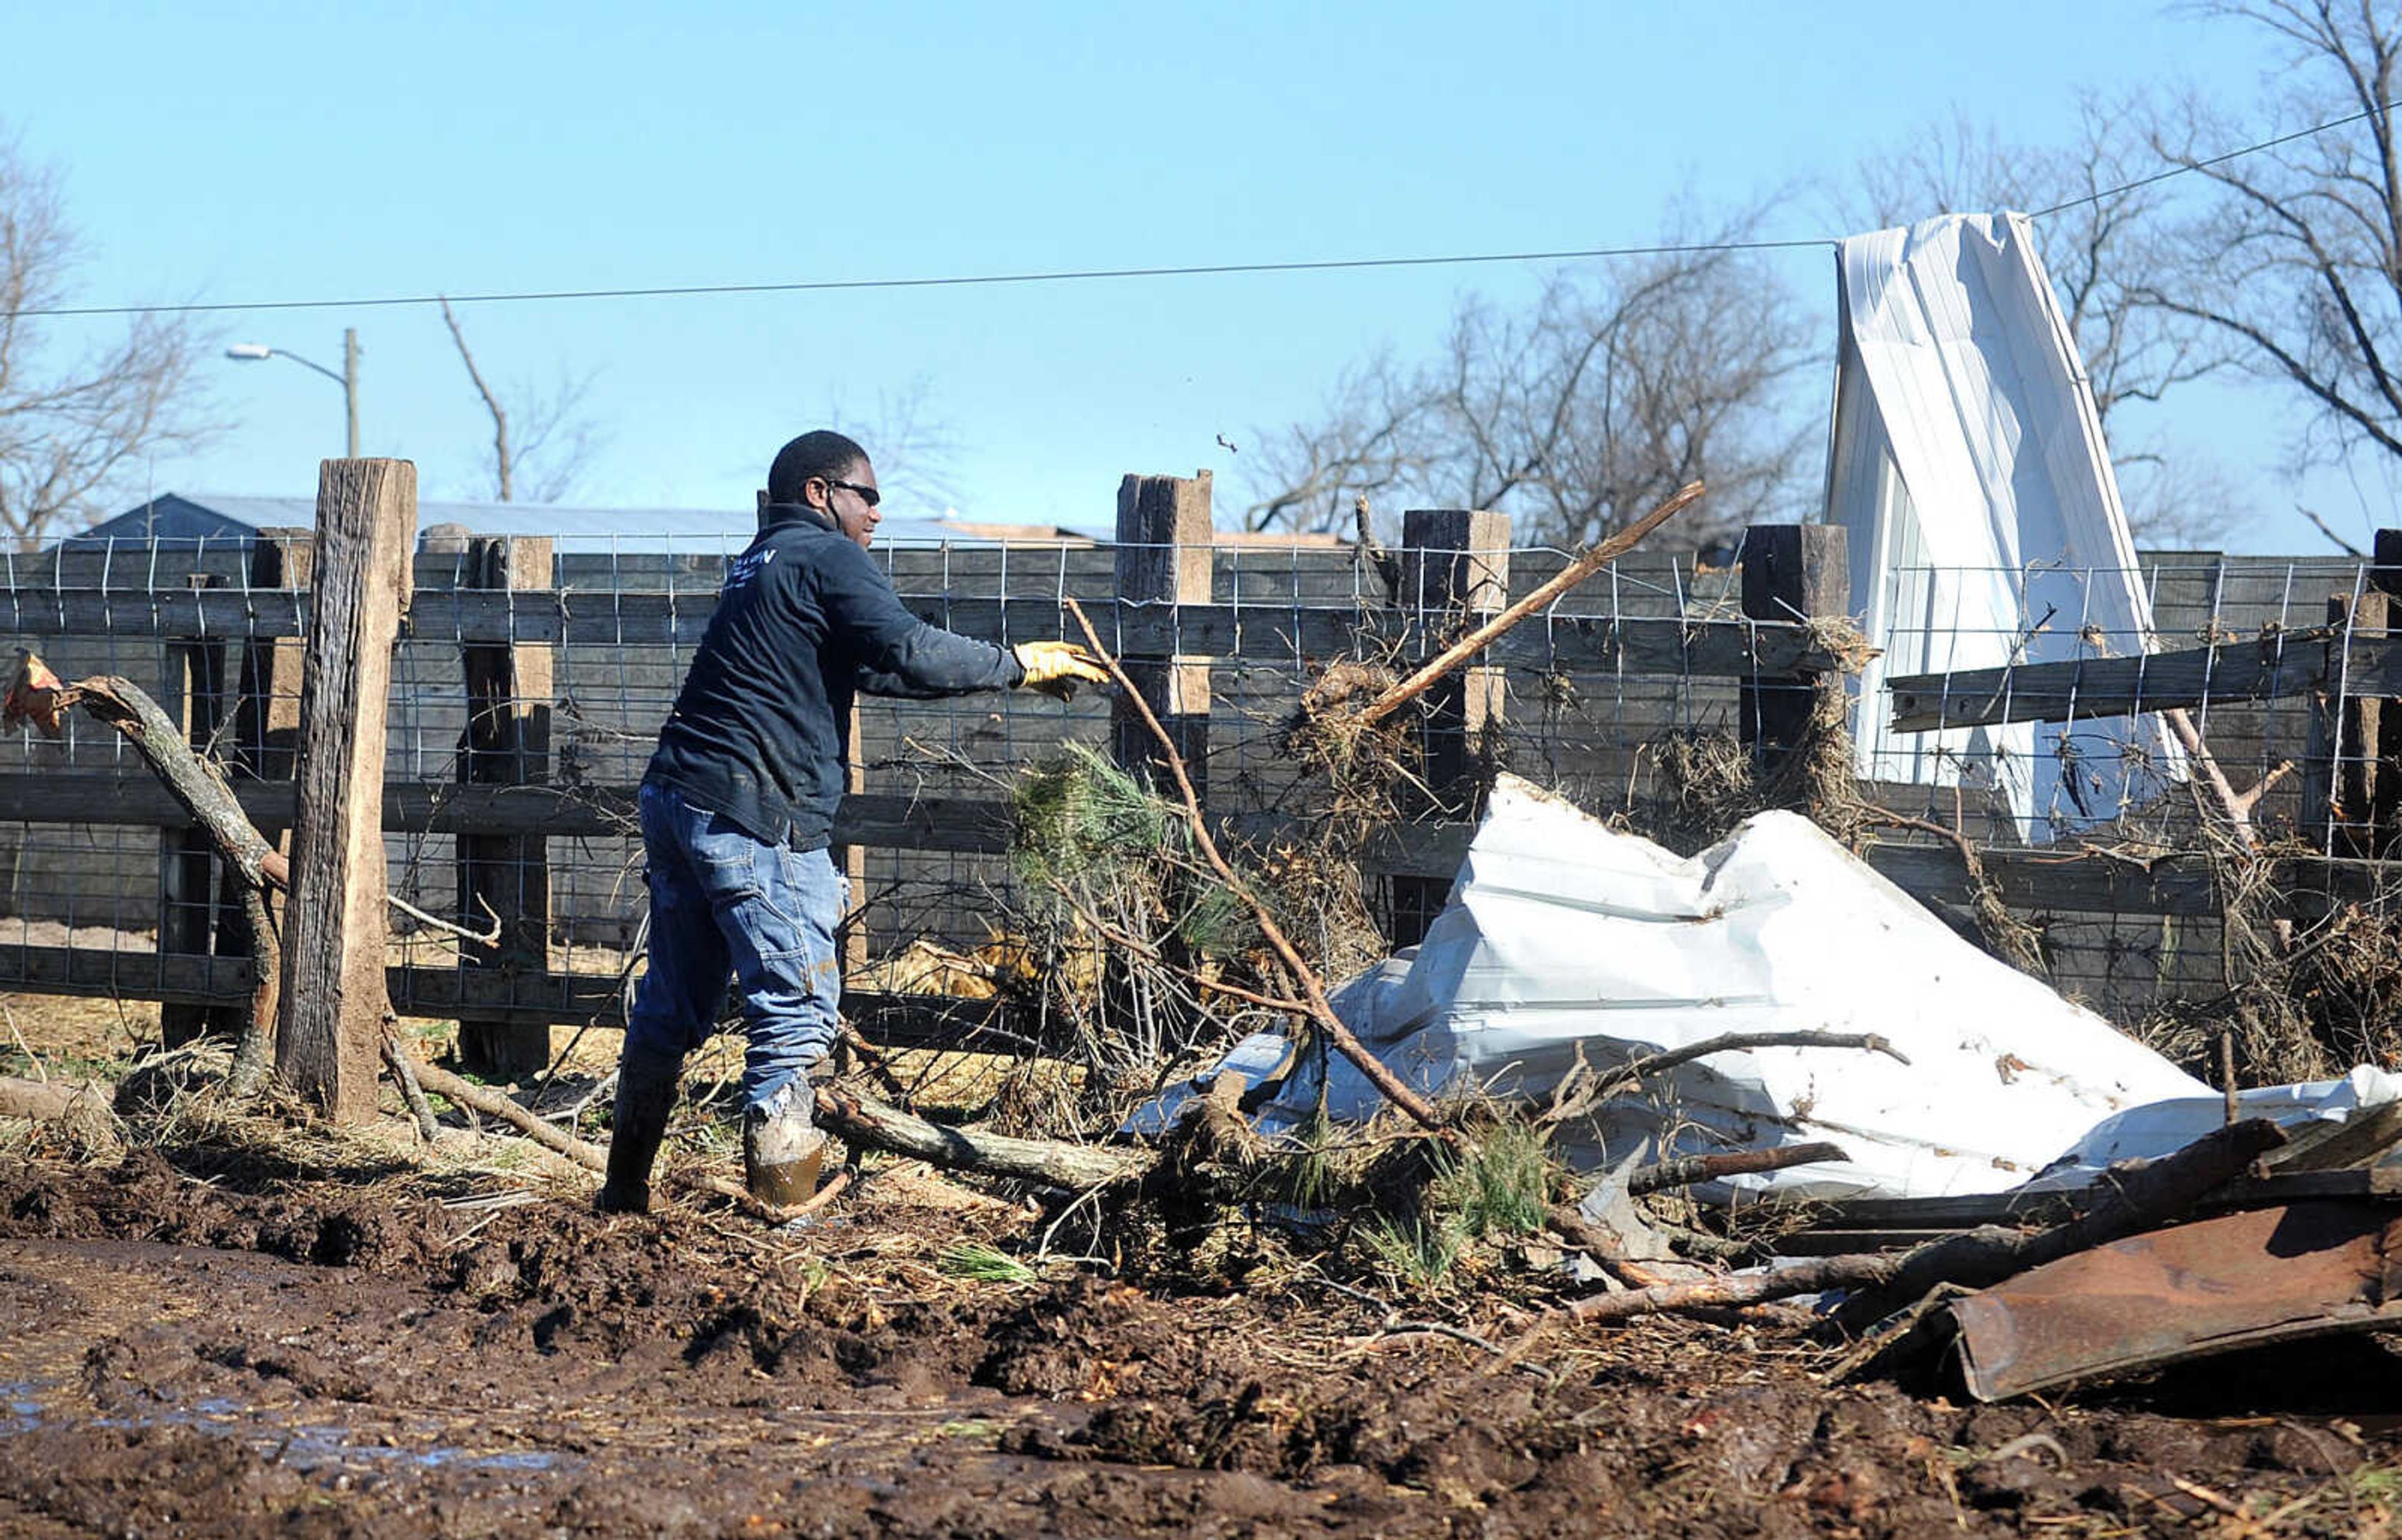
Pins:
<point x="823" y="453"/>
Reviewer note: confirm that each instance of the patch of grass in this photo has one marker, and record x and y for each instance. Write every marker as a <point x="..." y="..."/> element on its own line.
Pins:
<point x="1417" y="1253"/>
<point x="982" y="1263"/>
<point x="1314" y="1179"/>
<point x="2378" y="1484"/>
<point x="1502" y="1185"/>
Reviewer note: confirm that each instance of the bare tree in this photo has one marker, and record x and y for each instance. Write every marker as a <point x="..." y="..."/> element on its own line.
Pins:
<point x="545" y="457"/>
<point x="914" y="447"/>
<point x="70" y="427"/>
<point x="1615" y="387"/>
<point x="2292" y="264"/>
<point x="2102" y="245"/>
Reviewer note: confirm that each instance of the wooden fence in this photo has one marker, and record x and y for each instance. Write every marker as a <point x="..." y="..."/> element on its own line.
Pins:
<point x="506" y="636"/>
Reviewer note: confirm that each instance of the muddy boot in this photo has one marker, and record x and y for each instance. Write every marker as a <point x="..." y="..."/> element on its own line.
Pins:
<point x="782" y="1149"/>
<point x="646" y="1091"/>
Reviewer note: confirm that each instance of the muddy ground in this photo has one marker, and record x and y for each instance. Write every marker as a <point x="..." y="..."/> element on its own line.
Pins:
<point x="253" y="1353"/>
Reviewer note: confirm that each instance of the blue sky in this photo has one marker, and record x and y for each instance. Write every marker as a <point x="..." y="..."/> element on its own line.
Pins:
<point x="235" y="153"/>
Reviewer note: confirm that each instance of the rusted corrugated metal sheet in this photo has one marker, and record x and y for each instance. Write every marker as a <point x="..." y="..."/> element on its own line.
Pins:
<point x="2265" y="1275"/>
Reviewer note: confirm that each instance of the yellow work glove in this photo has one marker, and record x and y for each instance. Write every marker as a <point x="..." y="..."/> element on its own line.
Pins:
<point x="1057" y="668"/>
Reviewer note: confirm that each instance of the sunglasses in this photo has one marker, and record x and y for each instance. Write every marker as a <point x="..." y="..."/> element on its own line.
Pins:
<point x="868" y="495"/>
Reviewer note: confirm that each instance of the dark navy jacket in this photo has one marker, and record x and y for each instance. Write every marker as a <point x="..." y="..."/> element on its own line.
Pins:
<point x="805" y="618"/>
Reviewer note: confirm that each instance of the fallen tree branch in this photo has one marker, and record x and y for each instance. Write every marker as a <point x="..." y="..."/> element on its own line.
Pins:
<point x="492" y="1104"/>
<point x="858" y="1122"/>
<point x="46" y="1101"/>
<point x="1475" y="642"/>
<point x="253" y="1047"/>
<point x="404" y="1073"/>
<point x="490" y="938"/>
<point x="36" y="695"/>
<point x="1635" y="1071"/>
<point x="1739" y="1162"/>
<point x="861" y="1121"/>
<point x="2146" y="1196"/>
<point x="1321" y="1014"/>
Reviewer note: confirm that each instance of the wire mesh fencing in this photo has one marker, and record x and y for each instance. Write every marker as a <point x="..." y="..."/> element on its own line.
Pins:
<point x="2084" y="766"/>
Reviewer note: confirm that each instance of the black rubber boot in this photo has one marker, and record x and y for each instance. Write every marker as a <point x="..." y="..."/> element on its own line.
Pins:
<point x="782" y="1148"/>
<point x="646" y="1092"/>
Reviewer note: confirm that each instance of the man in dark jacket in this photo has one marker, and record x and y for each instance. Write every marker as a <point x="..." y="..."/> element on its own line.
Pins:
<point x="737" y="809"/>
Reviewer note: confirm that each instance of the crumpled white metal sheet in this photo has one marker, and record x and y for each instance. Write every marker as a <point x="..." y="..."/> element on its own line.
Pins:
<point x="1985" y="528"/>
<point x="1565" y="941"/>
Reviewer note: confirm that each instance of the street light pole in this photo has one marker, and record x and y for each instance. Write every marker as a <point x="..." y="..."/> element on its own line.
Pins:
<point x="348" y="379"/>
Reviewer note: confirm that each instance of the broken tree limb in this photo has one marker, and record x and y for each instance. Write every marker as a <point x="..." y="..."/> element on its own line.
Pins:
<point x="855" y="1119"/>
<point x="1321" y="1014"/>
<point x="36" y="695"/>
<point x="1483" y="636"/>
<point x="493" y="1105"/>
<point x="404" y="1073"/>
<point x="46" y="1101"/>
<point x="1634" y="1071"/>
<point x="2147" y="1195"/>
<point x="2237" y="808"/>
<point x="253" y="1048"/>
<point x="861" y="1121"/>
<point x="1694" y="1169"/>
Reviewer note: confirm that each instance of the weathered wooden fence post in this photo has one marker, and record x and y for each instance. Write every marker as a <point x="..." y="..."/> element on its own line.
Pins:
<point x="1454" y="575"/>
<point x="2385" y="799"/>
<point x="333" y="1000"/>
<point x="1790" y="572"/>
<point x="506" y="742"/>
<point x="195" y="699"/>
<point x="1164" y="550"/>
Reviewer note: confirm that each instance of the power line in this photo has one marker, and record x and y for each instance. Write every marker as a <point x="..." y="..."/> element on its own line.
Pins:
<point x="955" y="281"/>
<point x="1072" y="275"/>
<point x="2216" y="159"/>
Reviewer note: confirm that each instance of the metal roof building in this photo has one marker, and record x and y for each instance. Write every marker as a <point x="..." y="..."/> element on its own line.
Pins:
<point x="173" y="517"/>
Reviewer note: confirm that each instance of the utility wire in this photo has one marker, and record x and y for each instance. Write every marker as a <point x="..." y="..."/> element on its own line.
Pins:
<point x="1071" y="275"/>
<point x="2214" y="160"/>
<point x="955" y="281"/>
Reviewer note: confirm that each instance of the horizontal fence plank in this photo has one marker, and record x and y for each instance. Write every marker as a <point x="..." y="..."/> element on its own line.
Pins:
<point x="978" y="825"/>
<point x="1730" y="648"/>
<point x="2062" y="879"/>
<point x="891" y="1021"/>
<point x="2286" y="663"/>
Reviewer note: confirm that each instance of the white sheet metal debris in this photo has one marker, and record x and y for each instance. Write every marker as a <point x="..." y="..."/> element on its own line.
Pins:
<point x="1565" y="940"/>
<point x="1985" y="527"/>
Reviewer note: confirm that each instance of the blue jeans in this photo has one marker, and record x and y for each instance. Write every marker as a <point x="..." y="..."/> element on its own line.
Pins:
<point x="724" y="904"/>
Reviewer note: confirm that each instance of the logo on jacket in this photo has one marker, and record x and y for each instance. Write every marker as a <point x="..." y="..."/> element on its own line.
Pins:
<point x="744" y="567"/>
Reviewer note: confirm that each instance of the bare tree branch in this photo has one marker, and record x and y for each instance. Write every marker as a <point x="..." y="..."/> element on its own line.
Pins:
<point x="915" y="452"/>
<point x="554" y="442"/>
<point x="70" y="427"/>
<point x="2291" y="262"/>
<point x="1616" y="386"/>
<point x="502" y="462"/>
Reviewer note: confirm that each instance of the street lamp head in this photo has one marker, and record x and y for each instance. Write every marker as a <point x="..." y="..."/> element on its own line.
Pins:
<point x="250" y="349"/>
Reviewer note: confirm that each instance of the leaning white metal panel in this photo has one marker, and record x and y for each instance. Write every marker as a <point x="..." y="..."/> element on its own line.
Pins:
<point x="1986" y="527"/>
